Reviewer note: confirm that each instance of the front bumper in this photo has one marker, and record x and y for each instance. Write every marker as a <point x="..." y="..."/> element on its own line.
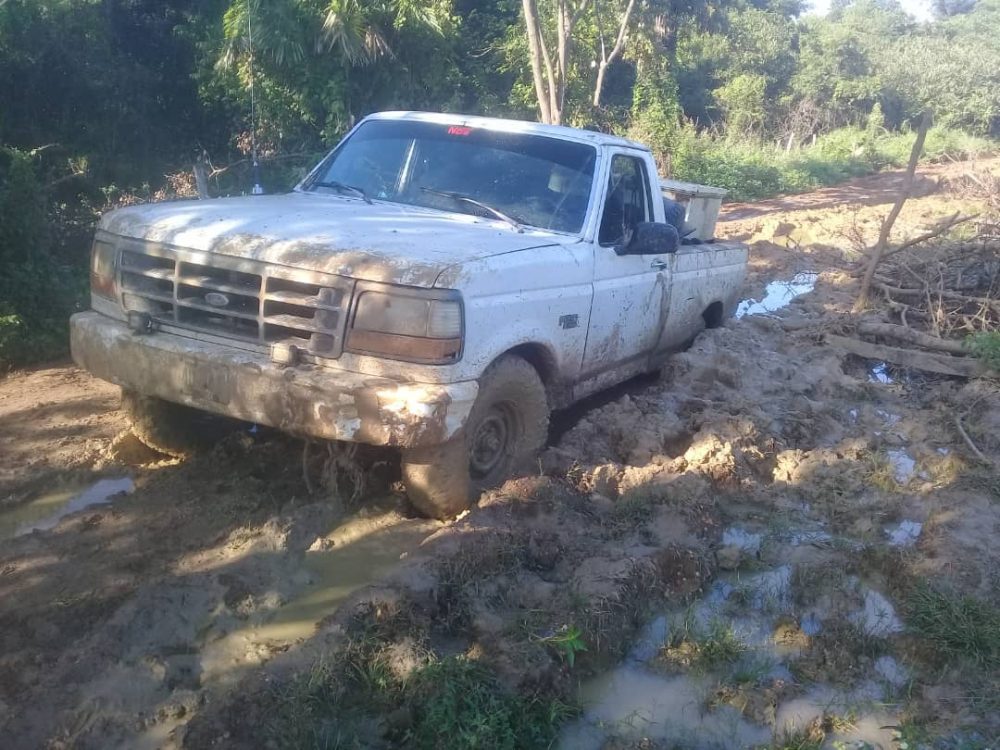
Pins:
<point x="306" y="400"/>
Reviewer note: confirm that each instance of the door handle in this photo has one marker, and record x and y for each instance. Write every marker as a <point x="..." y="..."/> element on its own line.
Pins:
<point x="659" y="265"/>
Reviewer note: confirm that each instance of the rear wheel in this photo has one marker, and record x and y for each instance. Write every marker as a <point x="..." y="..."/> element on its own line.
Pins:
<point x="506" y="428"/>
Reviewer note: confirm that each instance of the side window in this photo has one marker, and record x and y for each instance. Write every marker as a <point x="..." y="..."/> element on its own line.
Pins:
<point x="627" y="202"/>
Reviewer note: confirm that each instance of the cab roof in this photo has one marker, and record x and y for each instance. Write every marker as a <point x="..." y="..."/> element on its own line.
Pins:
<point x="512" y="126"/>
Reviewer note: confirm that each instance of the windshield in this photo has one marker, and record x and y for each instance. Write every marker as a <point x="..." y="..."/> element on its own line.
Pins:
<point x="529" y="179"/>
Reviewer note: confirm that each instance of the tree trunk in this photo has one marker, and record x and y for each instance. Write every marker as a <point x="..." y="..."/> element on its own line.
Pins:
<point x="535" y="45"/>
<point x="616" y="51"/>
<point x="883" y="237"/>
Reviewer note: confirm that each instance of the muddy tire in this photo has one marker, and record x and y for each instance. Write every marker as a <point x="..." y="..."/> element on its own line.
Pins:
<point x="166" y="427"/>
<point x="507" y="426"/>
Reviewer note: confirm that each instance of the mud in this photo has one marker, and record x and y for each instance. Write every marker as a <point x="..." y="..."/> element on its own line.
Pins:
<point x="45" y="512"/>
<point x="736" y="543"/>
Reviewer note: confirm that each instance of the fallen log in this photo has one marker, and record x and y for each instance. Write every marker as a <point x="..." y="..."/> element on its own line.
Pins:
<point x="910" y="336"/>
<point x="922" y="292"/>
<point x="942" y="364"/>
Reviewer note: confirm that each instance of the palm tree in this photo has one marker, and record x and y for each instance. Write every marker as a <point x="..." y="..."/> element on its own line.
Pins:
<point x="359" y="31"/>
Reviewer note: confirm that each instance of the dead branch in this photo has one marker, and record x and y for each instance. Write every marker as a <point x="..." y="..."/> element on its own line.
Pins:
<point x="938" y="229"/>
<point x="944" y="226"/>
<point x="890" y="220"/>
<point x="968" y="441"/>
<point x="922" y="292"/>
<point x="216" y="171"/>
<point x="910" y="336"/>
<point x="942" y="364"/>
<point x="65" y="178"/>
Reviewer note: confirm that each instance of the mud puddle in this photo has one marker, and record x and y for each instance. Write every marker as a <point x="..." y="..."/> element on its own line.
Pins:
<point x="778" y="294"/>
<point x="341" y="563"/>
<point x="45" y="512"/>
<point x="663" y="693"/>
<point x="632" y="703"/>
<point x="879" y="373"/>
<point x="361" y="550"/>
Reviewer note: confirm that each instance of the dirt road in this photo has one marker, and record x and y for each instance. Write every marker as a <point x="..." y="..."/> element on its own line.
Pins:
<point x="770" y="545"/>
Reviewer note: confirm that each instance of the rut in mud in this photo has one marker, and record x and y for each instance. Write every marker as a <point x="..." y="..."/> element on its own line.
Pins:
<point x="757" y="548"/>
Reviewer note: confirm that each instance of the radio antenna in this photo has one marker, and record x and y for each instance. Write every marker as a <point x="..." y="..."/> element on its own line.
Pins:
<point x="257" y="188"/>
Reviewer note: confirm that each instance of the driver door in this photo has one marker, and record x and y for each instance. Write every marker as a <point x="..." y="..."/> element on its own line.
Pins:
<point x="631" y="292"/>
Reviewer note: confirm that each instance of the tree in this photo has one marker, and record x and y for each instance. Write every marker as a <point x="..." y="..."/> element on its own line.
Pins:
<point x="839" y="66"/>
<point x="608" y="57"/>
<point x="317" y="64"/>
<point x="550" y="76"/>
<point x="948" y="8"/>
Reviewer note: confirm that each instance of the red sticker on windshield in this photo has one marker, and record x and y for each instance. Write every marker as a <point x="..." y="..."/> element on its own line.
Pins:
<point x="458" y="130"/>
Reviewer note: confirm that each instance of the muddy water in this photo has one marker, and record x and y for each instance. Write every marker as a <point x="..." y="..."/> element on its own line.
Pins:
<point x="644" y="697"/>
<point x="778" y="294"/>
<point x="356" y="553"/>
<point x="633" y="702"/>
<point x="45" y="512"/>
<point x="356" y="557"/>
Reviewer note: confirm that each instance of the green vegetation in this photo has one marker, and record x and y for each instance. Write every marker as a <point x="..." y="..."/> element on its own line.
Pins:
<point x="112" y="102"/>
<point x="708" y="648"/>
<point x="958" y="627"/>
<point x="457" y="703"/>
<point x="452" y="702"/>
<point x="37" y="294"/>
<point x="567" y="642"/>
<point x="752" y="170"/>
<point x="986" y="346"/>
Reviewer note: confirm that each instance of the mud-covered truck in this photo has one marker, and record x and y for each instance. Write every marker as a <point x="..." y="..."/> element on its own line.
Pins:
<point x="438" y="283"/>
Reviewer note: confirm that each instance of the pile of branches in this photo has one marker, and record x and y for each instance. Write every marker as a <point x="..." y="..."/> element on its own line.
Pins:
<point x="947" y="289"/>
<point x="939" y="287"/>
<point x="981" y="185"/>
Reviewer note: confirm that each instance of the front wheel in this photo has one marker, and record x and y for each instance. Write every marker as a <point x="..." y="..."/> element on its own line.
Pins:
<point x="506" y="428"/>
<point x="169" y="428"/>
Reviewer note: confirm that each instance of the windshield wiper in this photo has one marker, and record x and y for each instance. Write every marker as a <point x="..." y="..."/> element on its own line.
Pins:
<point x="461" y="198"/>
<point x="343" y="187"/>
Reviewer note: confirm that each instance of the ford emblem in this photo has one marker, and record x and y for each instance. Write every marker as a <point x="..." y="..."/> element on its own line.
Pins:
<point x="217" y="299"/>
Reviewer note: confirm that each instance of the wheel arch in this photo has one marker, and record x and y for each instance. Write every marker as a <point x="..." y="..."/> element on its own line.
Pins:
<point x="540" y="357"/>
<point x="714" y="315"/>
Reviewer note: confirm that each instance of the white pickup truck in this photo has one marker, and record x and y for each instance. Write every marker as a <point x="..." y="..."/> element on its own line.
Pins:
<point x="438" y="283"/>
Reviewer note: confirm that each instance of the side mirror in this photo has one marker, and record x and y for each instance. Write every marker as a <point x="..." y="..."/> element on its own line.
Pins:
<point x="651" y="238"/>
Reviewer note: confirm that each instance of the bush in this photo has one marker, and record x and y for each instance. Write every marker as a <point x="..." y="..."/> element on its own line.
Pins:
<point x="37" y="294"/>
<point x="751" y="170"/>
<point x="986" y="346"/>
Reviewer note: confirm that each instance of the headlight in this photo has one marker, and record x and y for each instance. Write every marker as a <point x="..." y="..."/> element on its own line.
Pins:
<point x="408" y="324"/>
<point x="103" y="262"/>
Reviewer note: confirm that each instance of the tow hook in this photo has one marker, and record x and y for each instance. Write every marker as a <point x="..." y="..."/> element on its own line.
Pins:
<point x="141" y="323"/>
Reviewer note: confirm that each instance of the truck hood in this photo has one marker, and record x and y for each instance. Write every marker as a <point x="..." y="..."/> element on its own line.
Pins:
<point x="331" y="234"/>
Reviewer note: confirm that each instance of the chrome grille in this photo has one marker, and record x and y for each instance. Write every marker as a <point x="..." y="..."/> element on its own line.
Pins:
<point x="247" y="300"/>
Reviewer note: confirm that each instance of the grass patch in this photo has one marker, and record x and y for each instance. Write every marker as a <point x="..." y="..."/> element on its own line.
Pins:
<point x="881" y="474"/>
<point x="462" y="575"/>
<point x="959" y="627"/>
<point x="630" y="513"/>
<point x="705" y="650"/>
<point x="453" y="702"/>
<point x="457" y="703"/>
<point x="812" y="736"/>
